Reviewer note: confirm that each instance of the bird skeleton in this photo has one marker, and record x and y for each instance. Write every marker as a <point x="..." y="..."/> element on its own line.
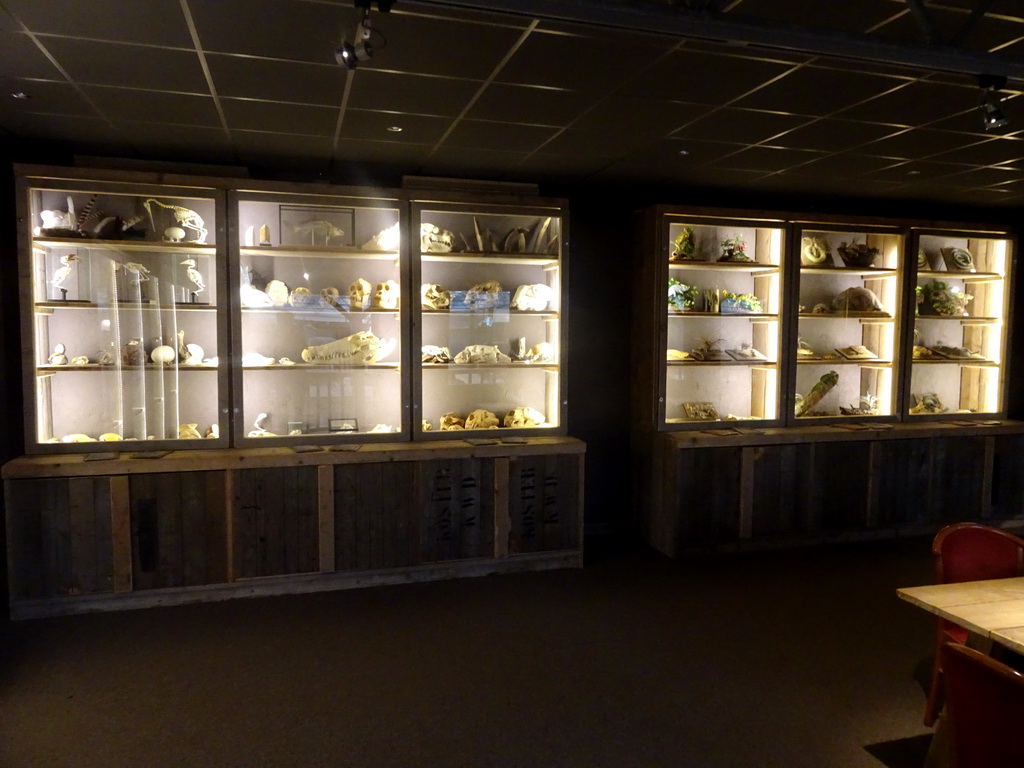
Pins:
<point x="194" y="276"/>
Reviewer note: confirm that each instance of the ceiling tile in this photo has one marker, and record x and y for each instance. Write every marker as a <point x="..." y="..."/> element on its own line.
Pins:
<point x="843" y="166"/>
<point x="922" y="171"/>
<point x="768" y="159"/>
<point x="648" y="118"/>
<point x="7" y="22"/>
<point x="833" y="135"/>
<point x="599" y="144"/>
<point x="986" y="152"/>
<point x="989" y="177"/>
<point x="186" y="142"/>
<point x="356" y="150"/>
<point x="176" y="108"/>
<point x="916" y="104"/>
<point x="679" y="154"/>
<point x="265" y="144"/>
<point x="44" y="97"/>
<point x="410" y="94"/>
<point x="987" y="34"/>
<point x="153" y="22"/>
<point x="818" y="91"/>
<point x="20" y="57"/>
<point x="132" y="66"/>
<point x="846" y="17"/>
<point x="543" y="166"/>
<point x="76" y="130"/>
<point x="918" y="143"/>
<point x="528" y="104"/>
<point x="280" y="118"/>
<point x="739" y="126"/>
<point x="283" y="29"/>
<point x="588" y="64"/>
<point x="478" y="134"/>
<point x="284" y="81"/>
<point x="373" y="126"/>
<point x="486" y="164"/>
<point x="703" y="78"/>
<point x="426" y="46"/>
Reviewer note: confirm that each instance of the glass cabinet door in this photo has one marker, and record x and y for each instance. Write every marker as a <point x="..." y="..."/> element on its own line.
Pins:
<point x="848" y="331"/>
<point x="122" y="320"/>
<point x="319" y="343"/>
<point x="959" y="351"/>
<point x="491" y="318"/>
<point x="721" y="322"/>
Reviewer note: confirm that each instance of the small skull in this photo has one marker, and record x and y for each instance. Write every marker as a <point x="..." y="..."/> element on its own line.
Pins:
<point x="435" y="240"/>
<point x="330" y="295"/>
<point x="532" y="298"/>
<point x="541" y="353"/>
<point x="278" y="293"/>
<point x="481" y="419"/>
<point x="483" y="295"/>
<point x="427" y="426"/>
<point x="452" y="421"/>
<point x="300" y="297"/>
<point x="386" y="295"/>
<point x="433" y="296"/>
<point x="524" y="416"/>
<point x="359" y="295"/>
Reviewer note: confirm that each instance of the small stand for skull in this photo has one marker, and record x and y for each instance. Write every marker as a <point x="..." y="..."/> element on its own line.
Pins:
<point x="63" y="294"/>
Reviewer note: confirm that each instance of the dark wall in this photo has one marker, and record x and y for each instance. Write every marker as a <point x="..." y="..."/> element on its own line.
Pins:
<point x="600" y="307"/>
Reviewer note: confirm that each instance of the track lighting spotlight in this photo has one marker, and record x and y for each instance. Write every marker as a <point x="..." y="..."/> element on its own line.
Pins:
<point x="990" y="103"/>
<point x="350" y="54"/>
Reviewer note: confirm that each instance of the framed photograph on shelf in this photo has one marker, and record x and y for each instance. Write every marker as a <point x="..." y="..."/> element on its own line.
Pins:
<point x="343" y="425"/>
<point x="323" y="226"/>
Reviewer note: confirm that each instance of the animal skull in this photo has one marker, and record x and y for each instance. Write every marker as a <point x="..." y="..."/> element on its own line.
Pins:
<point x="483" y="295"/>
<point x="433" y="296"/>
<point x="452" y="421"/>
<point x="278" y="293"/>
<point x="857" y="300"/>
<point x="532" y="298"/>
<point x="481" y="419"/>
<point x="541" y="353"/>
<point x="524" y="416"/>
<point x="482" y="353"/>
<point x="358" y="348"/>
<point x="434" y="354"/>
<point x="330" y="295"/>
<point x="435" y="240"/>
<point x="359" y="295"/>
<point x="301" y="297"/>
<point x="386" y="296"/>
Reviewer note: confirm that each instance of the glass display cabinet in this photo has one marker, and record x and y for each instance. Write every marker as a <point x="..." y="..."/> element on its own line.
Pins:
<point x="720" y="329"/>
<point x="961" y="293"/>
<point x="848" y="339"/>
<point x="122" y="336"/>
<point x="318" y="348"/>
<point x="491" y="320"/>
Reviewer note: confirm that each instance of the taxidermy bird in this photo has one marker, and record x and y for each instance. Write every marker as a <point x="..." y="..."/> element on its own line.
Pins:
<point x="62" y="273"/>
<point x="194" y="276"/>
<point x="183" y="351"/>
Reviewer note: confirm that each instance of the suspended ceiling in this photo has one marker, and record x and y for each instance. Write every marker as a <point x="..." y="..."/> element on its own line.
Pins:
<point x="492" y="92"/>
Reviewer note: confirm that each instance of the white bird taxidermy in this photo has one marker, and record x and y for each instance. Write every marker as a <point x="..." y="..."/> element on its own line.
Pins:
<point x="194" y="276"/>
<point x="62" y="273"/>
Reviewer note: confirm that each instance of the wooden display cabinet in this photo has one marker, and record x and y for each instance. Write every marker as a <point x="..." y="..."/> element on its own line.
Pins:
<point x="491" y="317"/>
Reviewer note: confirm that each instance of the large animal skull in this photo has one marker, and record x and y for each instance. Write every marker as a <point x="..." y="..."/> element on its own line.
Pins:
<point x="452" y="421"/>
<point x="541" y="353"/>
<point x="435" y="240"/>
<point x="483" y="295"/>
<point x="386" y="295"/>
<point x="359" y="295"/>
<point x="433" y="296"/>
<point x="532" y="298"/>
<point x="431" y="353"/>
<point x="524" y="416"/>
<point x="361" y="347"/>
<point x="482" y="353"/>
<point x="481" y="419"/>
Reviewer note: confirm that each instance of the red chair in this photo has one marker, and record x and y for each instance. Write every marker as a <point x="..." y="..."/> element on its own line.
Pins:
<point x="985" y="707"/>
<point x="968" y="552"/>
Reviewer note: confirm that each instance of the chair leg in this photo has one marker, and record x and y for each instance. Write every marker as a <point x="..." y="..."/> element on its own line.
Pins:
<point x="934" y="703"/>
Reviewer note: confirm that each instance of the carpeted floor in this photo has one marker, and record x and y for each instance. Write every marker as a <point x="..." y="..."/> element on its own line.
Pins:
<point x="798" y="660"/>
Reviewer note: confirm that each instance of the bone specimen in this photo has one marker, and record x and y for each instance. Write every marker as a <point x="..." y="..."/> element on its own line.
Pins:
<point x="133" y="268"/>
<point x="303" y="297"/>
<point x="278" y="293"/>
<point x="382" y="428"/>
<point x="532" y="298"/>
<point x="58" y="219"/>
<point x="213" y="431"/>
<point x="104" y="358"/>
<point x="482" y="353"/>
<point x="163" y="354"/>
<point x="185" y="217"/>
<point x="330" y="295"/>
<point x="317" y="229"/>
<point x="258" y="429"/>
<point x="541" y="353"/>
<point x="385" y="240"/>
<point x="264" y="235"/>
<point x="132" y="353"/>
<point x="189" y="432"/>
<point x="433" y="296"/>
<point x="434" y="354"/>
<point x="360" y="348"/>
<point x="517" y="347"/>
<point x="857" y="300"/>
<point x="174" y="234"/>
<point x="252" y="297"/>
<point x="481" y="419"/>
<point x="524" y="416"/>
<point x="483" y="295"/>
<point x="80" y="360"/>
<point x="58" y="357"/>
<point x="193" y="275"/>
<point x="109" y="437"/>
<point x="386" y="296"/>
<point x="359" y="295"/>
<point x="515" y="241"/>
<point x="426" y="426"/>
<point x="63" y="272"/>
<point x="452" y="421"/>
<point x="77" y="437"/>
<point x="252" y="359"/>
<point x="435" y="240"/>
<point x="286" y="361"/>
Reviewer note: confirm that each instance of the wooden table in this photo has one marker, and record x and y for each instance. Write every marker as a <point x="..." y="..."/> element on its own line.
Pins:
<point x="992" y="611"/>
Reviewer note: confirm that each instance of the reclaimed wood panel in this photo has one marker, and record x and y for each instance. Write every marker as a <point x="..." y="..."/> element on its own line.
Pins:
<point x="178" y="529"/>
<point x="374" y="506"/>
<point x="456" y="504"/>
<point x="781" y="474"/>
<point x="840" y="483"/>
<point x="544" y="503"/>
<point x="59" y="537"/>
<point x="958" y="478"/>
<point x="904" y="483"/>
<point x="1007" y="477"/>
<point x="275" y="528"/>
<point x="707" y="496"/>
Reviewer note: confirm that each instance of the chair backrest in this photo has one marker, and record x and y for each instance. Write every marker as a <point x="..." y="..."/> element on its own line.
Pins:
<point x="973" y="552"/>
<point x="985" y="701"/>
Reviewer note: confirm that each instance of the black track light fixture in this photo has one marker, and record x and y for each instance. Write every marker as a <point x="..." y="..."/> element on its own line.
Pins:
<point x="349" y="54"/>
<point x="990" y="103"/>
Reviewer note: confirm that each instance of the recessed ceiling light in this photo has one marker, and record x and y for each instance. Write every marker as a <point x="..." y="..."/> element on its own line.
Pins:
<point x="20" y="95"/>
<point x="913" y="173"/>
<point x="684" y="151"/>
<point x="395" y="128"/>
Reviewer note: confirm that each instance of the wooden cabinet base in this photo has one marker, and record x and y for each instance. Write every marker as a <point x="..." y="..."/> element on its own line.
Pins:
<point x="134" y="532"/>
